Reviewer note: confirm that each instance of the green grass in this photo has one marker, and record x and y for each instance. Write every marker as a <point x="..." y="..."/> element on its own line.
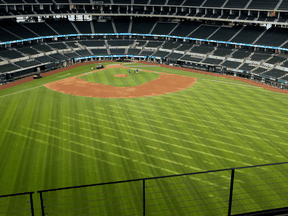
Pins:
<point x="51" y="140"/>
<point x="107" y="77"/>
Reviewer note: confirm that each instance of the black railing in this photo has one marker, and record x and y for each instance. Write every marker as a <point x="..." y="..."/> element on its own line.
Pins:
<point x="12" y="207"/>
<point x="233" y="191"/>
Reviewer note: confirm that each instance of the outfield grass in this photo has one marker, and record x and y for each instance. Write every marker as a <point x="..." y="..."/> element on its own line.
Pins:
<point x="51" y="140"/>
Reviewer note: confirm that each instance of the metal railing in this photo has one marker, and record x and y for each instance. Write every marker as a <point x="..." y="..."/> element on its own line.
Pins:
<point x="232" y="191"/>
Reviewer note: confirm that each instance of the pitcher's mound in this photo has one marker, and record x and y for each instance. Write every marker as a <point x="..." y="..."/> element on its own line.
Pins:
<point x="120" y="75"/>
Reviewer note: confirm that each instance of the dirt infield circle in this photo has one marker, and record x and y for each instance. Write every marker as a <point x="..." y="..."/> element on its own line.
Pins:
<point x="120" y="75"/>
<point x="164" y="84"/>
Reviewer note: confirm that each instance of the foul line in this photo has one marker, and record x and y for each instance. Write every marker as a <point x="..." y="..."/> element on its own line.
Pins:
<point x="21" y="91"/>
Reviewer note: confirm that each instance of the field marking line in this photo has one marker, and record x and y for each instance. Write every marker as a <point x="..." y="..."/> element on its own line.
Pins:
<point x="21" y="91"/>
<point x="128" y="126"/>
<point x="140" y="123"/>
<point x="90" y="147"/>
<point x="207" y="126"/>
<point x="242" y="147"/>
<point x="235" y="118"/>
<point x="64" y="75"/>
<point x="65" y="149"/>
<point x="196" y="143"/>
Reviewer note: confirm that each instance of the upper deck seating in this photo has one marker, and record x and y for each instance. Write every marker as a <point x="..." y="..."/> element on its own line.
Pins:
<point x="236" y="4"/>
<point x="84" y="27"/>
<point x="248" y="35"/>
<point x="142" y="26"/>
<point x="25" y="64"/>
<point x="163" y="28"/>
<point x="193" y="2"/>
<point x="175" y="2"/>
<point x="6" y="36"/>
<point x="103" y="27"/>
<point x="263" y="4"/>
<point x="122" y="25"/>
<point x="62" y="27"/>
<point x="203" y="32"/>
<point x="214" y="3"/>
<point x="120" y="42"/>
<point x="17" y="29"/>
<point x="273" y="37"/>
<point x="40" y="28"/>
<point x="93" y="43"/>
<point x="185" y="28"/>
<point x="225" y="33"/>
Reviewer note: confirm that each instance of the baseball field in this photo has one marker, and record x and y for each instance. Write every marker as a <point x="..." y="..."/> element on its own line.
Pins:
<point x="52" y="139"/>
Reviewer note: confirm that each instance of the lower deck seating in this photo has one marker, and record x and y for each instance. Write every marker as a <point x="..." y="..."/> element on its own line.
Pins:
<point x="190" y="58"/>
<point x="99" y="51"/>
<point x="59" y="56"/>
<point x="93" y="43"/>
<point x="276" y="59"/>
<point x="42" y="48"/>
<point x="146" y="53"/>
<point x="28" y="51"/>
<point x="174" y="56"/>
<point x="170" y="45"/>
<point x="202" y="49"/>
<point x="275" y="73"/>
<point x="11" y="54"/>
<point x="58" y="45"/>
<point x="45" y="59"/>
<point x="83" y="53"/>
<point x="247" y="67"/>
<point x="240" y="54"/>
<point x="231" y="64"/>
<point x="117" y="51"/>
<point x="259" y="57"/>
<point x="212" y="61"/>
<point x="71" y="55"/>
<point x="25" y="64"/>
<point x="8" y="68"/>
<point x="259" y="70"/>
<point x="222" y="52"/>
<point x="133" y="51"/>
<point x="160" y="53"/>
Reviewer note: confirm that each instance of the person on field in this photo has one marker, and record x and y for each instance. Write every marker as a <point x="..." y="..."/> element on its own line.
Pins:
<point x="129" y="72"/>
